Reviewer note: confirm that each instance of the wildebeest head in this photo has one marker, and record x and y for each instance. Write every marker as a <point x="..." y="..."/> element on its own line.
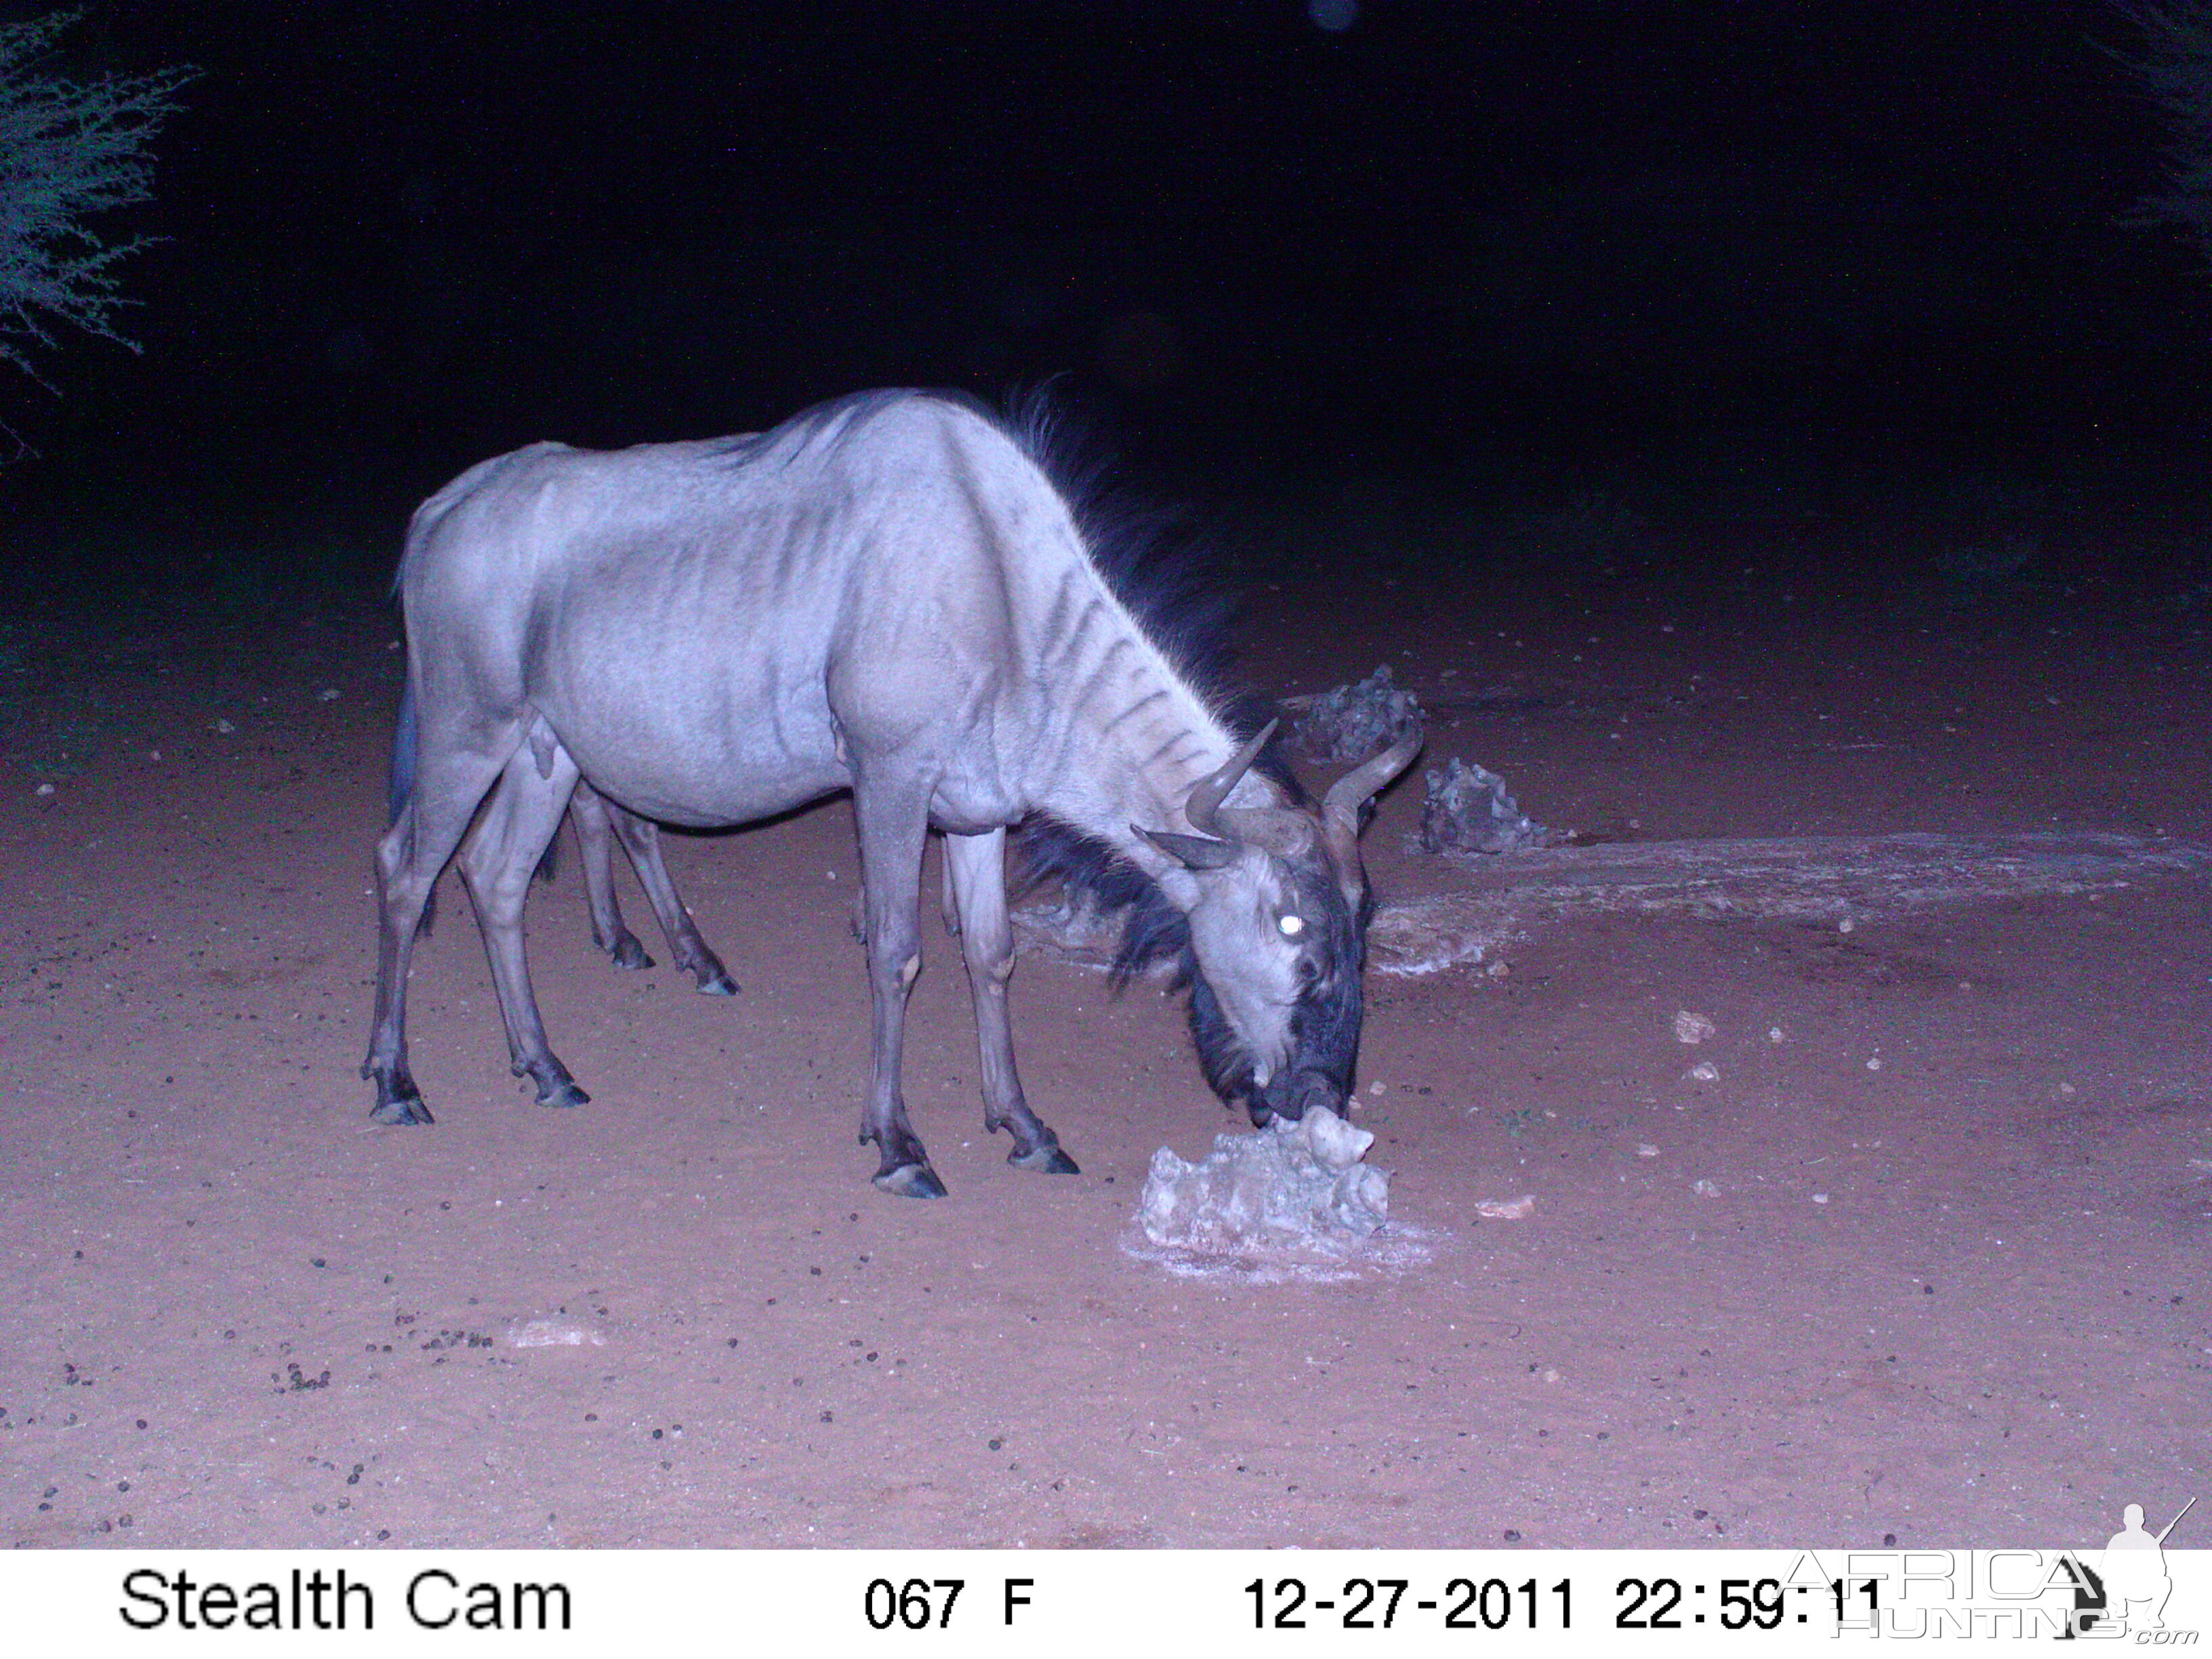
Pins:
<point x="1278" y="935"/>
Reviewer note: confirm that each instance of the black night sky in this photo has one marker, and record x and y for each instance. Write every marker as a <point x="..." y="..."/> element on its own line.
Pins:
<point x="1448" y="243"/>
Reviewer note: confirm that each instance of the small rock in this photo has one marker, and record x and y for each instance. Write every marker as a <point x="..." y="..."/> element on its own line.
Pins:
<point x="226" y="728"/>
<point x="1507" y="1209"/>
<point x="556" y="1333"/>
<point x="1692" y="1027"/>
<point x="1705" y="1189"/>
<point x="1468" y="810"/>
<point x="44" y="789"/>
<point x="1284" y="1184"/>
<point x="1350" y="722"/>
<point x="1704" y="1072"/>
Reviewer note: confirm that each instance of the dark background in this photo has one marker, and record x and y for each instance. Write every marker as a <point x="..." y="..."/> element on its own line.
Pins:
<point x="1497" y="256"/>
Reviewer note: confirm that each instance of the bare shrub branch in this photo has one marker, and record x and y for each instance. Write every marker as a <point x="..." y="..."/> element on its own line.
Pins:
<point x="68" y="151"/>
<point x="2177" y="68"/>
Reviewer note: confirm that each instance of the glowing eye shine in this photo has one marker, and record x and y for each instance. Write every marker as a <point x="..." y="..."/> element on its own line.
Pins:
<point x="1292" y="926"/>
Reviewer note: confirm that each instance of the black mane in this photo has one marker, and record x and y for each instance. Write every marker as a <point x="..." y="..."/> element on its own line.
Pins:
<point x="1164" y="576"/>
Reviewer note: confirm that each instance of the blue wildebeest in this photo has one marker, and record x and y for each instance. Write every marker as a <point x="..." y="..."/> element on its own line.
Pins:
<point x="887" y="595"/>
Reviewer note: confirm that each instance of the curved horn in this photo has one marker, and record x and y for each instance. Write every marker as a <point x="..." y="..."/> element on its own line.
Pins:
<point x="1207" y="794"/>
<point x="1340" y="807"/>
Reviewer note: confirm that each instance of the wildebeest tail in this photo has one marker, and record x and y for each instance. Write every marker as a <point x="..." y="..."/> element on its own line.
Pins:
<point x="400" y="789"/>
<point x="399" y="785"/>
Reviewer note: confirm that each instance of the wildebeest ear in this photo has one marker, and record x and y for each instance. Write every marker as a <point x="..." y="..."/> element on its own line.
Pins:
<point x="1192" y="852"/>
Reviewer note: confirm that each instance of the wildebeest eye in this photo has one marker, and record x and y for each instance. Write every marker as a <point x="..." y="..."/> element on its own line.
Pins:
<point x="1293" y="925"/>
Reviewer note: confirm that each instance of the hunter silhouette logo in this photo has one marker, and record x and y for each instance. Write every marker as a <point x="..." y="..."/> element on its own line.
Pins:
<point x="2136" y="1581"/>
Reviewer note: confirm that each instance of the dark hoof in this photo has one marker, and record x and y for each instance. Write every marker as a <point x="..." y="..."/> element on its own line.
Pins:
<point x="407" y="1108"/>
<point x="564" y="1093"/>
<point x="1047" y="1160"/>
<point x="911" y="1181"/>
<point x="717" y="984"/>
<point x="629" y="953"/>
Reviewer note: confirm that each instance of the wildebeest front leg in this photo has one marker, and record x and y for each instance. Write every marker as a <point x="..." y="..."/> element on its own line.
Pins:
<point x="975" y="867"/>
<point x="497" y="861"/>
<point x="588" y="809"/>
<point x="894" y="823"/>
<point x="641" y="839"/>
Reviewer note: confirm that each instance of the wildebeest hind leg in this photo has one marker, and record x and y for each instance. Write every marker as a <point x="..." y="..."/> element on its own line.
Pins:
<point x="641" y="839"/>
<point x="447" y="788"/>
<point x="894" y="823"/>
<point x="976" y="868"/>
<point x="497" y="861"/>
<point x="587" y="811"/>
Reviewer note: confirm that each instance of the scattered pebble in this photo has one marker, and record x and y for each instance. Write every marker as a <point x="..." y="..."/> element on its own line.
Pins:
<point x="226" y="728"/>
<point x="1874" y="1064"/>
<point x="1692" y="1027"/>
<point x="1704" y="1072"/>
<point x="1705" y="1189"/>
<point x="328" y="694"/>
<point x="557" y="1334"/>
<point x="1507" y="1209"/>
<point x="1774" y="1034"/>
<point x="1645" y="1149"/>
<point x="44" y="789"/>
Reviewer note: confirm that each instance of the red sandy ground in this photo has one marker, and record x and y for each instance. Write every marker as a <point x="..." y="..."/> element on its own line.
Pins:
<point x="243" y="1315"/>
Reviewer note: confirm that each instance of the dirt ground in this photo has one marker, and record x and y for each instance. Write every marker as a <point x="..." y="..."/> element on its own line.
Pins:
<point x="1947" y="1283"/>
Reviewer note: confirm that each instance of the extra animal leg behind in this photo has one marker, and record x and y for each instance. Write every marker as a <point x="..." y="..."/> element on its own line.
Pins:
<point x="893" y="815"/>
<point x="975" y="867"/>
<point x="497" y="861"/>
<point x="588" y="811"/>
<point x="641" y="839"/>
